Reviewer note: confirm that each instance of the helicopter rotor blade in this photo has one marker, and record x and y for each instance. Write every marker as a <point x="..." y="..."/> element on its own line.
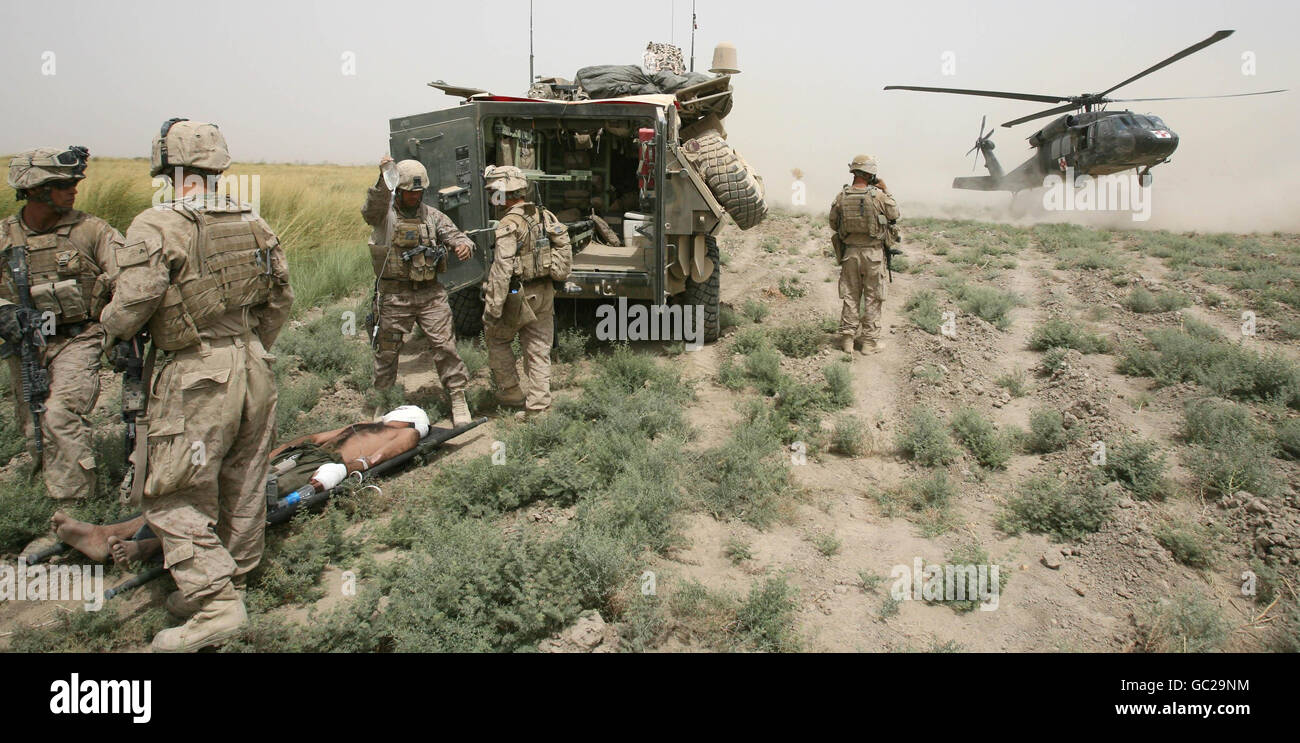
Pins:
<point x="1217" y="37"/>
<point x="987" y="93"/>
<point x="1041" y="114"/>
<point x="1192" y="97"/>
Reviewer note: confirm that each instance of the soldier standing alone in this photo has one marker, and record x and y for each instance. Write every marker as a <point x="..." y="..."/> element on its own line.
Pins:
<point x="69" y="256"/>
<point x="406" y="231"/>
<point x="863" y="217"/>
<point x="208" y="278"/>
<point x="532" y="251"/>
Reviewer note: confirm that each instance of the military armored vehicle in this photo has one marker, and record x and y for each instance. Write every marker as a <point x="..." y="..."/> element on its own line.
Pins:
<point x="644" y="182"/>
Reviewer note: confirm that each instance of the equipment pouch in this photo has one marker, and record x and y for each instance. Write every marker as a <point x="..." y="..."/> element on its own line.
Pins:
<point x="45" y="299"/>
<point x="72" y="305"/>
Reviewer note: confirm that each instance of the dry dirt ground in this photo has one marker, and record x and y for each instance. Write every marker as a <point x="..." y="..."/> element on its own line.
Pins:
<point x="1079" y="596"/>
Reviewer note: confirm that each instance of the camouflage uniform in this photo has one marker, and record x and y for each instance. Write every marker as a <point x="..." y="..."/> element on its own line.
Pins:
<point x="214" y="307"/>
<point x="861" y="237"/>
<point x="69" y="269"/>
<point x="527" y="263"/>
<point x="408" y="293"/>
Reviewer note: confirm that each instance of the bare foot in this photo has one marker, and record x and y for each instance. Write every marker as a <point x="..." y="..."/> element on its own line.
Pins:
<point x="88" y="539"/>
<point x="126" y="551"/>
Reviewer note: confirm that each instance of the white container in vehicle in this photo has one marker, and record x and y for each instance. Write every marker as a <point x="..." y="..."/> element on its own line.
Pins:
<point x="631" y="221"/>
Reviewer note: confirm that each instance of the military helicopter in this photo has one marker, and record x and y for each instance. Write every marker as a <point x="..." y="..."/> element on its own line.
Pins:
<point x="1091" y="141"/>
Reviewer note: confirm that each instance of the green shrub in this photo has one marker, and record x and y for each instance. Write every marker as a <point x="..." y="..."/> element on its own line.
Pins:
<point x="1141" y="300"/>
<point x="1199" y="354"/>
<point x="792" y="287"/>
<point x="765" y="622"/>
<point x="839" y="384"/>
<point x="924" y="438"/>
<point x="1065" y="510"/>
<point x="1188" y="543"/>
<point x="1054" y="359"/>
<point x="924" y="311"/>
<point x="1013" y="382"/>
<point x="990" y="447"/>
<point x="990" y="304"/>
<point x="798" y="341"/>
<point x="750" y="340"/>
<point x="1059" y="332"/>
<point x="1047" y="432"/>
<point x="755" y="310"/>
<point x="1186" y="623"/>
<point x="826" y="544"/>
<point x="1213" y="422"/>
<point x="730" y="375"/>
<point x="764" y="367"/>
<point x="737" y="550"/>
<point x="849" y="436"/>
<point x="571" y="345"/>
<point x="744" y="477"/>
<point x="1288" y="438"/>
<point x="473" y="355"/>
<point x="1137" y="465"/>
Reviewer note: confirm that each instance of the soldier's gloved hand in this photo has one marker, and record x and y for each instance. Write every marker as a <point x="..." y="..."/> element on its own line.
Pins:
<point x="463" y="251"/>
<point x="9" y="328"/>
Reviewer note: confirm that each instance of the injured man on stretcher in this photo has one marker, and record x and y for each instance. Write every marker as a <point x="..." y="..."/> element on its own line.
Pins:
<point x="321" y="459"/>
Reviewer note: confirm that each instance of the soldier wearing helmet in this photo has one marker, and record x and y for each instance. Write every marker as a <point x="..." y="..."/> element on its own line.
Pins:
<point x="862" y="217"/>
<point x="532" y="251"/>
<point x="208" y="279"/>
<point x="407" y="251"/>
<point x="69" y="259"/>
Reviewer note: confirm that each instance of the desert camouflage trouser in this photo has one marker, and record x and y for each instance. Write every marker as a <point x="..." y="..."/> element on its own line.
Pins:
<point x="398" y="314"/>
<point x="211" y="420"/>
<point x="862" y="285"/>
<point x="535" y="339"/>
<point x="69" y="459"/>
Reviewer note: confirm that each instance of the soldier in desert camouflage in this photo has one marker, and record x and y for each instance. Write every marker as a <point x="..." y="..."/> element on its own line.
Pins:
<point x="69" y="262"/>
<point x="862" y="218"/>
<point x="407" y="290"/>
<point x="532" y="251"/>
<point x="209" y="279"/>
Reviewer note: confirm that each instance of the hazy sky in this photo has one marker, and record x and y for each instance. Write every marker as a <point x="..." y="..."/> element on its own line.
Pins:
<point x="809" y="97"/>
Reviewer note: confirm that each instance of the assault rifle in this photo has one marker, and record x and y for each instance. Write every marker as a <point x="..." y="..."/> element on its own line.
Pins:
<point x="435" y="253"/>
<point x="35" y="378"/>
<point x="129" y="362"/>
<point x="889" y="261"/>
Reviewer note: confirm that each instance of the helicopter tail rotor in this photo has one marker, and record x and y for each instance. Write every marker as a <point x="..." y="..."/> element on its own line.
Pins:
<point x="982" y="145"/>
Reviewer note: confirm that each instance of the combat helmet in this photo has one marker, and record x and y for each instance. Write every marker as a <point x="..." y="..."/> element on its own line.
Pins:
<point x="192" y="144"/>
<point x="412" y="176"/>
<point x="864" y="164"/>
<point x="45" y="165"/>
<point x="507" y="178"/>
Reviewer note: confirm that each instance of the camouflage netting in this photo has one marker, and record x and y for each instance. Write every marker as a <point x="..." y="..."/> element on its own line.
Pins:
<point x="616" y="81"/>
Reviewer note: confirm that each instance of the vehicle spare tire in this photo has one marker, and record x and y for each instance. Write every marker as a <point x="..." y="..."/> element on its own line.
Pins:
<point x="467" y="311"/>
<point x="732" y="182"/>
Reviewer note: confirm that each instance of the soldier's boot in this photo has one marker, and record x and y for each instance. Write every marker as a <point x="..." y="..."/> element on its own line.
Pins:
<point x="846" y="343"/>
<point x="182" y="608"/>
<point x="459" y="409"/>
<point x="527" y="416"/>
<point x="512" y="397"/>
<point x="870" y="346"/>
<point x="221" y="617"/>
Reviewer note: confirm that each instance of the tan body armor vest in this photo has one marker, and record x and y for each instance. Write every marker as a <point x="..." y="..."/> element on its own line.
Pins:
<point x="230" y="269"/>
<point x="540" y="235"/>
<point x="63" y="278"/>
<point x="408" y="233"/>
<point x="861" y="215"/>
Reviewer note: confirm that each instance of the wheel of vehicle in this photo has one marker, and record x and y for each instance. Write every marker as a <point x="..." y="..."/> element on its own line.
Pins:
<point x="708" y="293"/>
<point x="466" y="311"/>
<point x="731" y="180"/>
